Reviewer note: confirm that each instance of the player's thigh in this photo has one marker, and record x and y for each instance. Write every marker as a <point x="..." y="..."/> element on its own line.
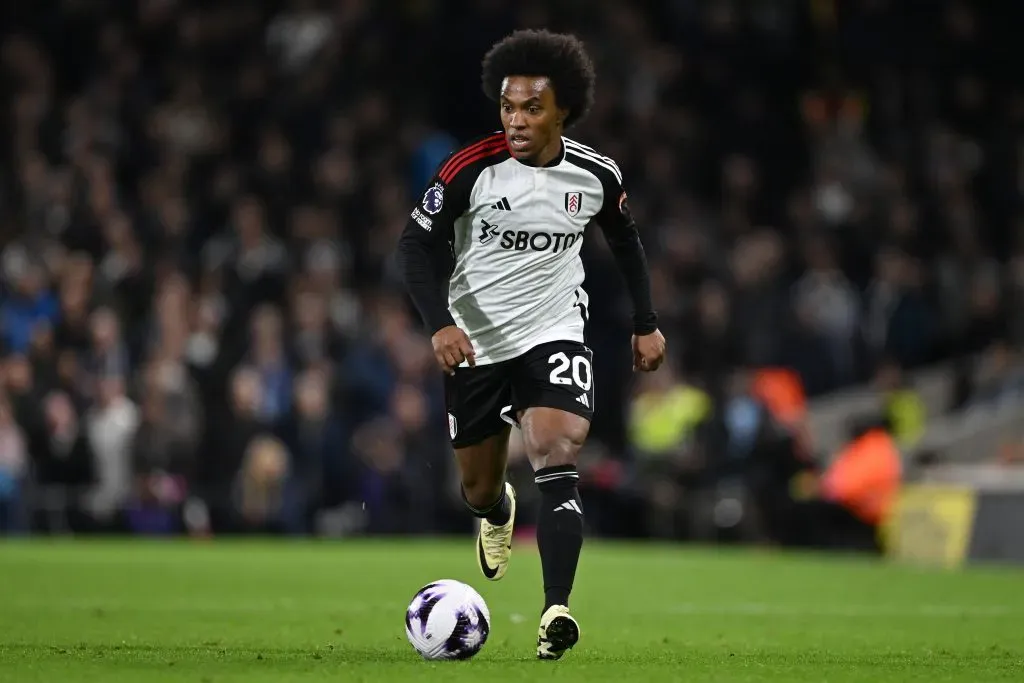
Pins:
<point x="553" y="394"/>
<point x="476" y="399"/>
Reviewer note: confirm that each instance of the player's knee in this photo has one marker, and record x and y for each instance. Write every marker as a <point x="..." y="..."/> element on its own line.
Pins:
<point x="549" y="449"/>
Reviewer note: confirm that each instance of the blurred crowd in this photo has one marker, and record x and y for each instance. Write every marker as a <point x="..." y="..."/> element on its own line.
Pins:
<point x="202" y="327"/>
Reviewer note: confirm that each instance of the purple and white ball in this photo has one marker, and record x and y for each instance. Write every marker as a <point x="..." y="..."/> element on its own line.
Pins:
<point x="447" y="620"/>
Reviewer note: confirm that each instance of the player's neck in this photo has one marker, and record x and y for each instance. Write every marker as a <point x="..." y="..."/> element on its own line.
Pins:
<point x="549" y="156"/>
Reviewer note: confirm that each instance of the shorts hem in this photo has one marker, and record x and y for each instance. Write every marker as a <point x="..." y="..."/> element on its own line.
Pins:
<point x="473" y="439"/>
<point x="569" y="405"/>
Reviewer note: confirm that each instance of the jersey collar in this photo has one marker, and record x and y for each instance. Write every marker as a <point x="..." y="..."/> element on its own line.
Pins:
<point x="558" y="159"/>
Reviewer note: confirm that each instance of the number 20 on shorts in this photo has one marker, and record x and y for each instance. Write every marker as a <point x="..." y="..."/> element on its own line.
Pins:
<point x="581" y="374"/>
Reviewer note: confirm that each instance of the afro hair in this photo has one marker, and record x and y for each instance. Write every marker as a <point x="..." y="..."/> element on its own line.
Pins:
<point x="559" y="57"/>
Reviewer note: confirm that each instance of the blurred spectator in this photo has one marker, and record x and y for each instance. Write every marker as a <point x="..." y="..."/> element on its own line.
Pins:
<point x="322" y="468"/>
<point x="826" y="307"/>
<point x="664" y="414"/>
<point x="847" y="505"/>
<point x="268" y="360"/>
<point x="261" y="500"/>
<point x="65" y="463"/>
<point x="30" y="305"/>
<point x="904" y="410"/>
<point x="163" y="450"/>
<point x="111" y="423"/>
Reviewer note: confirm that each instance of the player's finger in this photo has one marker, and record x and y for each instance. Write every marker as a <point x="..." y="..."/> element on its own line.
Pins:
<point x="458" y="352"/>
<point x="450" y="363"/>
<point x="466" y="349"/>
<point x="457" y="356"/>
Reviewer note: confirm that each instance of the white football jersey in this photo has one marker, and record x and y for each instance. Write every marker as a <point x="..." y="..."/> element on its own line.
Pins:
<point x="514" y="234"/>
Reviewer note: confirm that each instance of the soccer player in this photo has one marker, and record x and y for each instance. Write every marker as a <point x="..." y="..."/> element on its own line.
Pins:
<point x="491" y="260"/>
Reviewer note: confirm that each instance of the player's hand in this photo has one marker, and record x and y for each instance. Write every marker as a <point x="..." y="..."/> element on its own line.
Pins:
<point x="451" y="347"/>
<point x="648" y="351"/>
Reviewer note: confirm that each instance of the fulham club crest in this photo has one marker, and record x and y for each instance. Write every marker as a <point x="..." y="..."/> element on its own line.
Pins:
<point x="573" y="203"/>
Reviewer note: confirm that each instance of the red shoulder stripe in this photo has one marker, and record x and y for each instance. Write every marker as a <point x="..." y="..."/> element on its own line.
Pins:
<point x="469" y="151"/>
<point x="489" y="151"/>
<point x="457" y="159"/>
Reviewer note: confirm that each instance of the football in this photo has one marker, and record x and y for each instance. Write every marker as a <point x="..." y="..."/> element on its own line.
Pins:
<point x="447" y="619"/>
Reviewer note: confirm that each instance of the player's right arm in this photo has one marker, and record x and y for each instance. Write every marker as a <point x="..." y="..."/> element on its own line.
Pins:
<point x="425" y="259"/>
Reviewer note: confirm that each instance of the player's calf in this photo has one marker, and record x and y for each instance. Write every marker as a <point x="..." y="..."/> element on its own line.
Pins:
<point x="559" y="531"/>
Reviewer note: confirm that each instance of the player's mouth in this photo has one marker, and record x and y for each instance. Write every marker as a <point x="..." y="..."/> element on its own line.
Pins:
<point x="518" y="142"/>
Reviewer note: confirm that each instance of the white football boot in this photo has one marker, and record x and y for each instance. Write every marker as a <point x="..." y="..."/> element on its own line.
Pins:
<point x="557" y="634"/>
<point x="494" y="543"/>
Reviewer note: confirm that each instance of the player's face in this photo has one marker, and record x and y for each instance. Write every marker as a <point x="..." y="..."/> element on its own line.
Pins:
<point x="531" y="119"/>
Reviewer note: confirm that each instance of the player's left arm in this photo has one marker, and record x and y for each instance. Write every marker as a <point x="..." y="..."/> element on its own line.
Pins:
<point x="624" y="241"/>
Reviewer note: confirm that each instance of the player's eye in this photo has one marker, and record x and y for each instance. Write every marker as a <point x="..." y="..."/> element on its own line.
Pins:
<point x="507" y="108"/>
<point x="534" y="109"/>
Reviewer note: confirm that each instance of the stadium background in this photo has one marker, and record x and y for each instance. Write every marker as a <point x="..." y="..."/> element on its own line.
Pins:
<point x="202" y="328"/>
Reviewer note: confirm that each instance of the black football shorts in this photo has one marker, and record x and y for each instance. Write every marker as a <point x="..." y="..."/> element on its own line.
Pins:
<point x="481" y="401"/>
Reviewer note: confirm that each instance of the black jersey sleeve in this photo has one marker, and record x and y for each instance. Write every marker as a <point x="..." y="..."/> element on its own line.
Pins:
<point x="620" y="232"/>
<point x="426" y="249"/>
<point x="424" y="254"/>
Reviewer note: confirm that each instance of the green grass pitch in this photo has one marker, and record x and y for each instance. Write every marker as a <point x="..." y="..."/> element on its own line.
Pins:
<point x="243" y="611"/>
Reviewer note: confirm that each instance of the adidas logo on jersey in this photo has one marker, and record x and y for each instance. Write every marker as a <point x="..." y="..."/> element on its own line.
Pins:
<point x="502" y="205"/>
<point x="582" y="398"/>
